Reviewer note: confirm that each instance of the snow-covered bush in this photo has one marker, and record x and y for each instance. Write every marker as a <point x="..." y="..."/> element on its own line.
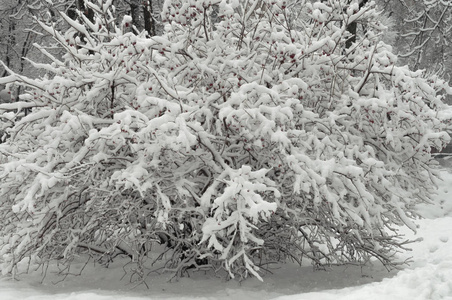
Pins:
<point x="247" y="133"/>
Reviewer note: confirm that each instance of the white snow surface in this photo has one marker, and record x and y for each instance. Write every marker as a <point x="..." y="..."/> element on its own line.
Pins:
<point x="429" y="276"/>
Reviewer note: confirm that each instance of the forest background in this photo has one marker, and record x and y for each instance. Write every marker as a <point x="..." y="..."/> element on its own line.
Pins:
<point x="419" y="30"/>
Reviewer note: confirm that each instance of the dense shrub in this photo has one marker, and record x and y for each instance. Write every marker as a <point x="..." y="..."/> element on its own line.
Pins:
<point x="247" y="133"/>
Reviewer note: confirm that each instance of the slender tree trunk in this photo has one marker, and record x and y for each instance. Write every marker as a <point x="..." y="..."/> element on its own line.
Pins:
<point x="149" y="22"/>
<point x="135" y="14"/>
<point x="25" y="48"/>
<point x="11" y="41"/>
<point x="352" y="27"/>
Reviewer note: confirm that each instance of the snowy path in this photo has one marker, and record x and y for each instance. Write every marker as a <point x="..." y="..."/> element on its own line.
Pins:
<point x="428" y="277"/>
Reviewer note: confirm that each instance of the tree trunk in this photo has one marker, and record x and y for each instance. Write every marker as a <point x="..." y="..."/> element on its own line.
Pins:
<point x="352" y="27"/>
<point x="149" y="22"/>
<point x="135" y="14"/>
<point x="11" y="41"/>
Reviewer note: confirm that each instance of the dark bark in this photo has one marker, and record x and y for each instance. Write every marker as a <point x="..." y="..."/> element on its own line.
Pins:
<point x="135" y="14"/>
<point x="80" y="6"/>
<point x="353" y="27"/>
<point x="11" y="41"/>
<point x="88" y="12"/>
<point x="149" y="22"/>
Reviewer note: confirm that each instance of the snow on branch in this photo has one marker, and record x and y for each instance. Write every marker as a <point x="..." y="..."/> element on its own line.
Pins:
<point x="249" y="131"/>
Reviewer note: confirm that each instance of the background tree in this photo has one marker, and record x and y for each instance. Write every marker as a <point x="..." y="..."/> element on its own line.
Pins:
<point x="246" y="133"/>
<point x="19" y="30"/>
<point x="424" y="33"/>
<point x="15" y="39"/>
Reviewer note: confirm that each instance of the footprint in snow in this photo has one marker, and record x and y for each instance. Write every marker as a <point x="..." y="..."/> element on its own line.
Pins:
<point x="433" y="248"/>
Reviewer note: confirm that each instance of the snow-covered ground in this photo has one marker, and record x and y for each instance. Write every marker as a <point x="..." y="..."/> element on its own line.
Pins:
<point x="428" y="277"/>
